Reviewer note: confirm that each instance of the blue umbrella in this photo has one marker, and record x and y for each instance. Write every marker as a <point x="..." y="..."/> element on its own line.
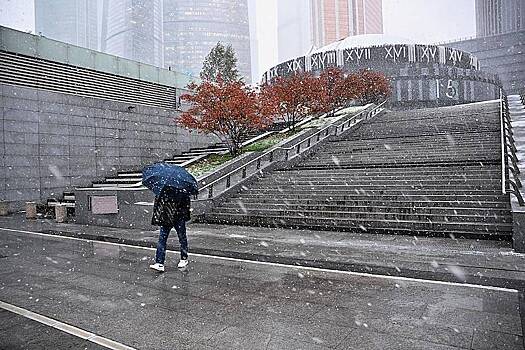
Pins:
<point x="159" y="175"/>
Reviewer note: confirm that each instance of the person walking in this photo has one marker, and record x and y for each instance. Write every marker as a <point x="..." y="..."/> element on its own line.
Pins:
<point x="171" y="210"/>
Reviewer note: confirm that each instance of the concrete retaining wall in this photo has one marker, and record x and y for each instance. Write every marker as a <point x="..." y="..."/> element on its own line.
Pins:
<point x="51" y="142"/>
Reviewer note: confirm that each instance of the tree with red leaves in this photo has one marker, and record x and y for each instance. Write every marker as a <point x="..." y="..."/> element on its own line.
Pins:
<point x="227" y="109"/>
<point x="339" y="90"/>
<point x="375" y="86"/>
<point x="292" y="98"/>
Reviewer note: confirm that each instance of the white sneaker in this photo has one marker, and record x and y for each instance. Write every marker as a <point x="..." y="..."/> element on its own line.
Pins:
<point x="182" y="263"/>
<point x="158" y="267"/>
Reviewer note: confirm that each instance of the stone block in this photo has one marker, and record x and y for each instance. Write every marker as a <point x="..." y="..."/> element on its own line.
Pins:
<point x="111" y="105"/>
<point x="55" y="108"/>
<point x="22" y="104"/>
<point x="21" y="115"/>
<point x="58" y="161"/>
<point x="82" y="181"/>
<point x="81" y="120"/>
<point x="147" y="110"/>
<point x="81" y="141"/>
<point x="52" y="192"/>
<point x="107" y="132"/>
<point x="54" y="118"/>
<point x="15" y="183"/>
<point x="54" y="150"/>
<point x="55" y="182"/>
<point x="129" y="143"/>
<point x="75" y="130"/>
<point x="129" y="152"/>
<point x="21" y="171"/>
<point x="54" y="139"/>
<point x="84" y="151"/>
<point x="100" y="112"/>
<point x="49" y="98"/>
<point x="84" y="171"/>
<point x="15" y="149"/>
<point x="52" y="170"/>
<point x="19" y="92"/>
<point x="107" y="142"/>
<point x="130" y="161"/>
<point x="25" y="194"/>
<point x="78" y="111"/>
<point x="105" y="164"/>
<point x="107" y="152"/>
<point x="21" y="161"/>
<point x="76" y="100"/>
<point x="16" y="137"/>
<point x="53" y="129"/>
<point x="20" y="126"/>
<point x="130" y="134"/>
<point x="80" y="166"/>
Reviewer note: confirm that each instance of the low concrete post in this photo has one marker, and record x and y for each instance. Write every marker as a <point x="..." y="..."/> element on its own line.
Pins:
<point x="60" y="213"/>
<point x="30" y="210"/>
<point x="4" y="208"/>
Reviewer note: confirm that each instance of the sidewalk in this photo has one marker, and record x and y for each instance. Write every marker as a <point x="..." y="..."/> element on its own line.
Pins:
<point x="453" y="260"/>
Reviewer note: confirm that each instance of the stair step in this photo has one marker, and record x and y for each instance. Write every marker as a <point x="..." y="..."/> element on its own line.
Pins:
<point x="362" y="224"/>
<point x="368" y="202"/>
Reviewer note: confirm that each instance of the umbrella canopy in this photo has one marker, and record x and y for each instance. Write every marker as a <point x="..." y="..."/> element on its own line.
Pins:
<point x="159" y="175"/>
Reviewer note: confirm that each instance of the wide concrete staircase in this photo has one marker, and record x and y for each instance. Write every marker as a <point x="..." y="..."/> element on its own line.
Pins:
<point x="431" y="172"/>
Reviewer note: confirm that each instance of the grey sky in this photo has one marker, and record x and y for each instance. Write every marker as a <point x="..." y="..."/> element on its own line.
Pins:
<point x="425" y="21"/>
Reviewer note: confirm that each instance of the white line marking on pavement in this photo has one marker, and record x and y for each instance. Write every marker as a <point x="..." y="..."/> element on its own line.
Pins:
<point x="352" y="273"/>
<point x="64" y="327"/>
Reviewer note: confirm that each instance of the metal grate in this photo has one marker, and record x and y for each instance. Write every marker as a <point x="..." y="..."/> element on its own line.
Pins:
<point x="38" y="73"/>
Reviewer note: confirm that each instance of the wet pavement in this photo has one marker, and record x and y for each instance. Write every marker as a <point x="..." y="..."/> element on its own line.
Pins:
<point x="223" y="303"/>
<point x="18" y="332"/>
<point x="484" y="262"/>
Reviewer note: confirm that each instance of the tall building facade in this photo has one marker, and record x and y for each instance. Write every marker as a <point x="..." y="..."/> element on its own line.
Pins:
<point x="193" y="27"/>
<point x="332" y="20"/>
<point x="71" y="21"/>
<point x="294" y="37"/>
<point x="133" y="29"/>
<point x="499" y="16"/>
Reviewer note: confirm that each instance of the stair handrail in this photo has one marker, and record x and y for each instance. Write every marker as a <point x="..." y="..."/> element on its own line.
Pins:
<point x="508" y="152"/>
<point x="280" y="153"/>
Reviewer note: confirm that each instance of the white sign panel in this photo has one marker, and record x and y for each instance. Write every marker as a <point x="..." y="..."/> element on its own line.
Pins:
<point x="104" y="205"/>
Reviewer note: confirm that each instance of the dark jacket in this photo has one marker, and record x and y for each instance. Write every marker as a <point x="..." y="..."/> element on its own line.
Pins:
<point x="170" y="206"/>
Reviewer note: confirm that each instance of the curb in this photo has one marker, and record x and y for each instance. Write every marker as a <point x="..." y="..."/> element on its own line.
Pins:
<point x="328" y="265"/>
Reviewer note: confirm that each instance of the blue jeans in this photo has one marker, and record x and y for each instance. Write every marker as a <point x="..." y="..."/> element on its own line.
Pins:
<point x="180" y="227"/>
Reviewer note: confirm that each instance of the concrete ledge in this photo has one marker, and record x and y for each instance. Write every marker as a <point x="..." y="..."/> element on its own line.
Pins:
<point x="518" y="230"/>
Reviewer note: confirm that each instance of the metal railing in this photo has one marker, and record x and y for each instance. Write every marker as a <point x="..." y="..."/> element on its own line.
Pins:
<point x="509" y="160"/>
<point x="282" y="154"/>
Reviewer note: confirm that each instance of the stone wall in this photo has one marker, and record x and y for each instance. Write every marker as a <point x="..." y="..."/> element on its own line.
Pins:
<point x="503" y="55"/>
<point x="51" y="142"/>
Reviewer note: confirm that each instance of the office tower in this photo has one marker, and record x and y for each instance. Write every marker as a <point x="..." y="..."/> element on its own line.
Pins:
<point x="499" y="16"/>
<point x="333" y="20"/>
<point x="293" y="28"/>
<point x="254" y="42"/>
<point x="133" y="29"/>
<point x="70" y="21"/>
<point x="193" y="27"/>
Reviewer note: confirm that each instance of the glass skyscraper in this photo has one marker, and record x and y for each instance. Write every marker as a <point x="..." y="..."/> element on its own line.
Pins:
<point x="499" y="16"/>
<point x="133" y="29"/>
<point x="193" y="27"/>
<point x="333" y="20"/>
<point x="71" y="21"/>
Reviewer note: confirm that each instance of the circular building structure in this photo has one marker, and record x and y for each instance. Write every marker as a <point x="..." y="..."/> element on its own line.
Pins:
<point x="420" y="75"/>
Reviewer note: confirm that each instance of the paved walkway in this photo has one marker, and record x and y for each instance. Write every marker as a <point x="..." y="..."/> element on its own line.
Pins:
<point x="108" y="290"/>
<point x="482" y="262"/>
